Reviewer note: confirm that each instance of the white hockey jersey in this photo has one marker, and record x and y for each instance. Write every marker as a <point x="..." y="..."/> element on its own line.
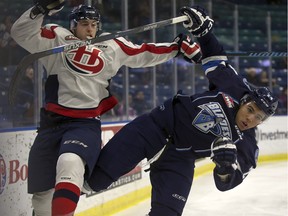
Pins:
<point x="78" y="80"/>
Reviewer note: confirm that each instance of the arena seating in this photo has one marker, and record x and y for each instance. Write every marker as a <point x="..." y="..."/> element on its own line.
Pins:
<point x="252" y="37"/>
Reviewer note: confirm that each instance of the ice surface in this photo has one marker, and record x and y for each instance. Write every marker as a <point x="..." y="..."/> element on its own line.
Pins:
<point x="263" y="193"/>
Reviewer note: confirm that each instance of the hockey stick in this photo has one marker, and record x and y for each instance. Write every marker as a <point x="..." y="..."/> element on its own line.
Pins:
<point x="29" y="59"/>
<point x="256" y="54"/>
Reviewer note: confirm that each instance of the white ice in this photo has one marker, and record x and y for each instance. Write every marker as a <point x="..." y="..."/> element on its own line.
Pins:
<point x="263" y="193"/>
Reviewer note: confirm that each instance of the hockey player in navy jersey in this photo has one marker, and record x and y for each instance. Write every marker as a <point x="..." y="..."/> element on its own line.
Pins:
<point x="76" y="95"/>
<point x="219" y="123"/>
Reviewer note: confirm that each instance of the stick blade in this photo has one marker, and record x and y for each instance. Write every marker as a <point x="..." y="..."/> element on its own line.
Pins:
<point x="17" y="77"/>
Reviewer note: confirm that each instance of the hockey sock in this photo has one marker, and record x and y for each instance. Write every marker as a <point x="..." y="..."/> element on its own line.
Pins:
<point x="65" y="199"/>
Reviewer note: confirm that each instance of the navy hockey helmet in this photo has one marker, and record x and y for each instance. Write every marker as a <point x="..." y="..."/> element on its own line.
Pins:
<point x="264" y="99"/>
<point x="83" y="12"/>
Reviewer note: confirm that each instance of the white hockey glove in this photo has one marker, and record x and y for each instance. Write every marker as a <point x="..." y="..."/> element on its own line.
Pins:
<point x="224" y="155"/>
<point x="46" y="7"/>
<point x="191" y="51"/>
<point x="199" y="22"/>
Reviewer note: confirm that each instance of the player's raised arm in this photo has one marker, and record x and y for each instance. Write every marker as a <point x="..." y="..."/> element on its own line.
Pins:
<point x="200" y="25"/>
<point x="27" y="30"/>
<point x="214" y="59"/>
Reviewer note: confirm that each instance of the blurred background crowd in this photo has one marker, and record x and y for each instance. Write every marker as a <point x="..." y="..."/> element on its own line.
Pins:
<point x="245" y="25"/>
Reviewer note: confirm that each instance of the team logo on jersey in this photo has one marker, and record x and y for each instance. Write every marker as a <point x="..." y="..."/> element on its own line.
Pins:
<point x="85" y="59"/>
<point x="228" y="100"/>
<point x="212" y="119"/>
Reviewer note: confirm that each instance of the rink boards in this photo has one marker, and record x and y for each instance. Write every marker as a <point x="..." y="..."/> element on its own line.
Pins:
<point x="127" y="191"/>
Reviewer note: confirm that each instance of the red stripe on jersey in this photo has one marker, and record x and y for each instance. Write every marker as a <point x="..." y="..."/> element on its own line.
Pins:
<point x="48" y="33"/>
<point x="146" y="47"/>
<point x="104" y="106"/>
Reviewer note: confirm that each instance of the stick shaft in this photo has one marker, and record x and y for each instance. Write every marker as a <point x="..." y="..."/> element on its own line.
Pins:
<point x="256" y="54"/>
<point x="139" y="29"/>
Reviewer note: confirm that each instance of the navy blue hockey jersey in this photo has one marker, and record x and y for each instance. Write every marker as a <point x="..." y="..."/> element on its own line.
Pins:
<point x="195" y="121"/>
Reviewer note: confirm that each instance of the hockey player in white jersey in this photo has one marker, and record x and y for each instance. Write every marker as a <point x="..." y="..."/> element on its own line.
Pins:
<point x="76" y="94"/>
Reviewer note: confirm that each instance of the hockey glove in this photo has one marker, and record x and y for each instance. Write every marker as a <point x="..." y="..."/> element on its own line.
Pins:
<point x="223" y="152"/>
<point x="224" y="155"/>
<point x="46" y="7"/>
<point x="191" y="51"/>
<point x="199" y="22"/>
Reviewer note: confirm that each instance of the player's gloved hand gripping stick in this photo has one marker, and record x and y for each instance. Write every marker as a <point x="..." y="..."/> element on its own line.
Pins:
<point x="199" y="24"/>
<point x="190" y="50"/>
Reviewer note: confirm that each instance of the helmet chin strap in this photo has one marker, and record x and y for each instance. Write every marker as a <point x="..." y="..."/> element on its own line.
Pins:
<point x="73" y="30"/>
<point x="72" y="24"/>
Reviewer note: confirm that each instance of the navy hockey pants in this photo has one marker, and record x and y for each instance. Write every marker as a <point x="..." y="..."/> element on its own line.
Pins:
<point x="171" y="175"/>
<point x="56" y="135"/>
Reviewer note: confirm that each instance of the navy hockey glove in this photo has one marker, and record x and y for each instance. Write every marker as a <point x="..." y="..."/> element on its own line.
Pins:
<point x="46" y="7"/>
<point x="224" y="155"/>
<point x="191" y="51"/>
<point x="223" y="152"/>
<point x="199" y="22"/>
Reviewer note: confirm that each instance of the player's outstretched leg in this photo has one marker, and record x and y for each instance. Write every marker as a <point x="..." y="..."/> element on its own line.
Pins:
<point x="199" y="23"/>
